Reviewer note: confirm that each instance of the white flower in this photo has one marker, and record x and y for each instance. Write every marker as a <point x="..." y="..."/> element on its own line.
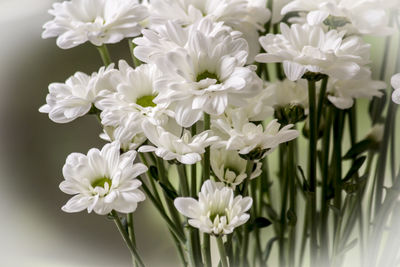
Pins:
<point x="98" y="21"/>
<point x="126" y="134"/>
<point x="306" y="48"/>
<point x="238" y="134"/>
<point x="246" y="16"/>
<point x="230" y="168"/>
<point x="217" y="211"/>
<point x="102" y="181"/>
<point x="277" y="6"/>
<point x="342" y="93"/>
<point x="206" y="76"/>
<point x="396" y="85"/>
<point x="358" y="16"/>
<point x="74" y="98"/>
<point x="169" y="146"/>
<point x="289" y="93"/>
<point x="132" y="101"/>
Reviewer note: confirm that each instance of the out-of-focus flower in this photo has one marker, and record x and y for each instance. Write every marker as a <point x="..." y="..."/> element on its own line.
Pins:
<point x="102" y="181"/>
<point x="246" y="16"/>
<point x="75" y="98"/>
<point x="306" y="48"/>
<point x="98" y="21"/>
<point x="396" y="85"/>
<point x="230" y="168"/>
<point x="185" y="149"/>
<point x="217" y="211"/>
<point x="354" y="16"/>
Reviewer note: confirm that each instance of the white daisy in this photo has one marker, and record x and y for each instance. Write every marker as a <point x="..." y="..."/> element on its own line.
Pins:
<point x="246" y="16"/>
<point x="217" y="211"/>
<point x="230" y="168"/>
<point x="249" y="139"/>
<point x="102" y="181"/>
<point x="170" y="146"/>
<point x="395" y="81"/>
<point x="98" y="21"/>
<point x="354" y="16"/>
<point x="75" y="98"/>
<point x="306" y="48"/>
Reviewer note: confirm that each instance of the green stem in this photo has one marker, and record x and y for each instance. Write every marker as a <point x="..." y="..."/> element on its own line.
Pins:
<point x="105" y="54"/>
<point x="206" y="250"/>
<point x="312" y="169"/>
<point x="222" y="253"/>
<point x="337" y="159"/>
<point x="125" y="236"/>
<point x="283" y="221"/>
<point x="206" y="161"/>
<point x="193" y="169"/>
<point x="292" y="198"/>
<point x="183" y="180"/>
<point x="131" y="232"/>
<point x="321" y="100"/>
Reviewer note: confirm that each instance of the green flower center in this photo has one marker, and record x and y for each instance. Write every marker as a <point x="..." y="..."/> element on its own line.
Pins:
<point x="214" y="214"/>
<point x="146" y="101"/>
<point x="101" y="182"/>
<point x="206" y="75"/>
<point x="232" y="169"/>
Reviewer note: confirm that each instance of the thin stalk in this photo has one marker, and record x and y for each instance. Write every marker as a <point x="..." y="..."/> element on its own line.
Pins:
<point x="206" y="161"/>
<point x="149" y="178"/>
<point x="206" y="250"/>
<point x="105" y="54"/>
<point x="321" y="99"/>
<point x="193" y="169"/>
<point x="136" y="62"/>
<point x="292" y="199"/>
<point x="255" y="214"/>
<point x="125" y="236"/>
<point x="183" y="180"/>
<point x="337" y="158"/>
<point x="131" y="232"/>
<point x="245" y="243"/>
<point x="312" y="169"/>
<point x="283" y="222"/>
<point x="222" y="252"/>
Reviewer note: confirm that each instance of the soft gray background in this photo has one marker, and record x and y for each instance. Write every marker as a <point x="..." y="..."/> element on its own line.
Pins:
<point x="33" y="229"/>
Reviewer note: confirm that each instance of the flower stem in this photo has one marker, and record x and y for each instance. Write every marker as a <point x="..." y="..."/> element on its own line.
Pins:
<point x="312" y="168"/>
<point x="206" y="162"/>
<point x="206" y="250"/>
<point x="105" y="54"/>
<point x="222" y="253"/>
<point x="125" y="236"/>
<point x="292" y="206"/>
<point x="136" y="62"/>
<point x="131" y="232"/>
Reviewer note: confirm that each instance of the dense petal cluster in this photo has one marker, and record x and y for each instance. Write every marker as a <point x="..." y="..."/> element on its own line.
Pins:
<point x="217" y="211"/>
<point x="355" y="16"/>
<point x="97" y="21"/>
<point x="305" y="48"/>
<point x="102" y="181"/>
<point x="75" y="98"/>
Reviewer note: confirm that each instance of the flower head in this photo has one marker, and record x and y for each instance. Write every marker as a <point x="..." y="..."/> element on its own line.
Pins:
<point x="74" y="98"/>
<point x="217" y="211"/>
<point x="305" y="48"/>
<point x="102" y="181"/>
<point x="98" y="21"/>
<point x="396" y="85"/>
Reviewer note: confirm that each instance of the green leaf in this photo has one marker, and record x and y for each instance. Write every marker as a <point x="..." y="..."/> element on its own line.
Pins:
<point x="154" y="172"/>
<point x="306" y="187"/>
<point x="259" y="222"/>
<point x="170" y="192"/>
<point x="269" y="248"/>
<point x="358" y="149"/>
<point x="354" y="168"/>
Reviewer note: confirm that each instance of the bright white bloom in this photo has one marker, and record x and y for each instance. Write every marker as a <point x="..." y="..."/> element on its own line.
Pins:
<point x="289" y="93"/>
<point x="306" y="48"/>
<point x="396" y="85"/>
<point x="126" y="134"/>
<point x="342" y="93"/>
<point x="230" y="168"/>
<point x="357" y="16"/>
<point x="74" y="98"/>
<point x="237" y="133"/>
<point x="169" y="146"/>
<point x="277" y="10"/>
<point x="132" y="102"/>
<point x="206" y="76"/>
<point x="217" y="211"/>
<point x="98" y="21"/>
<point x="246" y="16"/>
<point x="102" y="181"/>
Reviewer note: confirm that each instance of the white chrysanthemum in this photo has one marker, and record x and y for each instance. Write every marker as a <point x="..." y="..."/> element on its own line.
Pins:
<point x="169" y="146"/>
<point x="102" y="181"/>
<point x="206" y="76"/>
<point x="306" y="48"/>
<point x="98" y="21"/>
<point x="217" y="211"/>
<point x="357" y="16"/>
<point x="342" y="93"/>
<point x="246" y="16"/>
<point x="127" y="134"/>
<point x="289" y="93"/>
<point x="74" y="98"/>
<point x="230" y="168"/>
<point x="396" y="85"/>
<point x="237" y="133"/>
<point x="133" y="99"/>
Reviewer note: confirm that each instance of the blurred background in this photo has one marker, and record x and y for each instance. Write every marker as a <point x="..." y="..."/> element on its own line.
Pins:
<point x="34" y="230"/>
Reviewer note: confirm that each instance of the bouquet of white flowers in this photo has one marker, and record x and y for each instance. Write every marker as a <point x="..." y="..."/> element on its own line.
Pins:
<point x="213" y="89"/>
